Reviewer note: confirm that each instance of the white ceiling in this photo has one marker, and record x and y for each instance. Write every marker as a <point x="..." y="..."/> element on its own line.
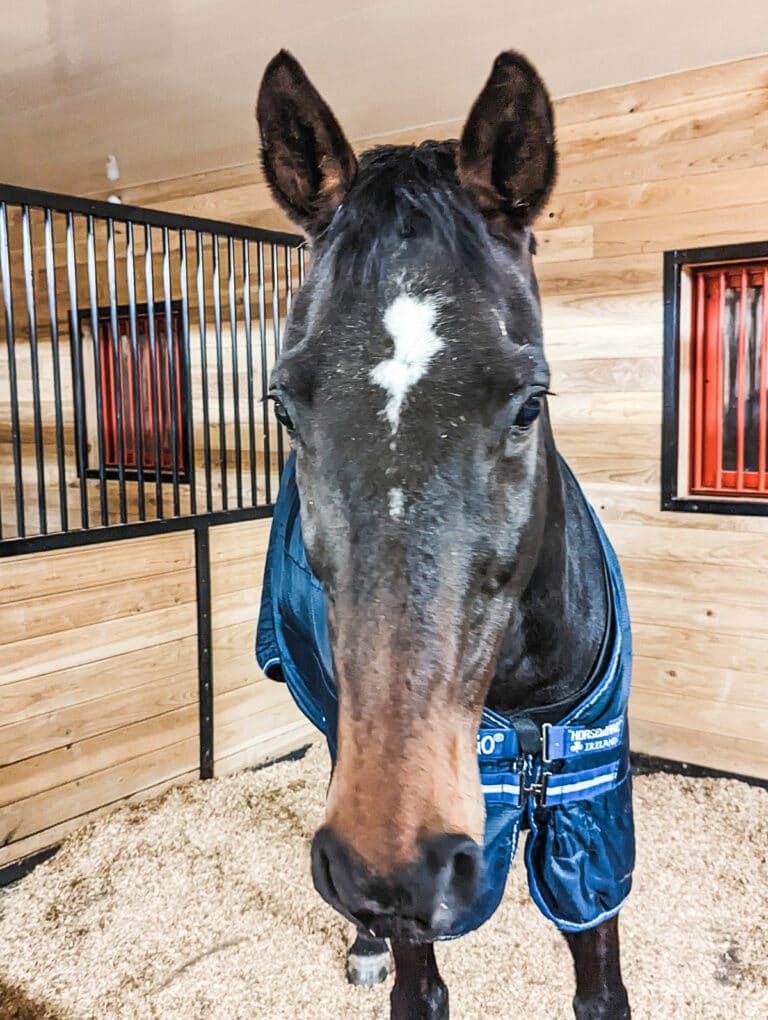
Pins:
<point x="169" y="85"/>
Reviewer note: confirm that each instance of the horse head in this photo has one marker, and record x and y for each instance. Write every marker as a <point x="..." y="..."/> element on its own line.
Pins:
<point x="413" y="385"/>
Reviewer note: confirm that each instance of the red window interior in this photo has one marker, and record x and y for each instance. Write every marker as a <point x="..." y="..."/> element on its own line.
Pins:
<point x="138" y="377"/>
<point x="729" y="424"/>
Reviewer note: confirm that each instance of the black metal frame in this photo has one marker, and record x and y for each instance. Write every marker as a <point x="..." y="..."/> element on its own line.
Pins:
<point x="204" y="649"/>
<point x="20" y="869"/>
<point x="200" y="519"/>
<point x="674" y="263"/>
<point x="15" y="195"/>
<point x="131" y="216"/>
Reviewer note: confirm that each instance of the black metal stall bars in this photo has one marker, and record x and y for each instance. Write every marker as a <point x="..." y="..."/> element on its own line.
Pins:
<point x="138" y="346"/>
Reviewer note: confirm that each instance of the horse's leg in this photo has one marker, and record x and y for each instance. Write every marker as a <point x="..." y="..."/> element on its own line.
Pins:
<point x="367" y="961"/>
<point x="418" y="992"/>
<point x="600" y="992"/>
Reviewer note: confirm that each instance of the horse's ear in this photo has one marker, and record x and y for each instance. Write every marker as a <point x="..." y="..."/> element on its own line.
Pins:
<point x="308" y="163"/>
<point x="507" y="159"/>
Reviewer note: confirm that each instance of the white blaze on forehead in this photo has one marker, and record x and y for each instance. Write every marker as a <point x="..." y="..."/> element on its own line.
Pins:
<point x="500" y="320"/>
<point x="396" y="503"/>
<point x="410" y="321"/>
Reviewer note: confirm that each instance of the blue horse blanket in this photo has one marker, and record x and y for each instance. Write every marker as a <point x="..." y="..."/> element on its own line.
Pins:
<point x="570" y="787"/>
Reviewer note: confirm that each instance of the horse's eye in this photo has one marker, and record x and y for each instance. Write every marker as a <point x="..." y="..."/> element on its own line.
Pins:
<point x="528" y="413"/>
<point x="282" y="416"/>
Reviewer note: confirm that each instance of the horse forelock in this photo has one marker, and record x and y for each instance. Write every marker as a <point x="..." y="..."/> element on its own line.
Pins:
<point x="403" y="194"/>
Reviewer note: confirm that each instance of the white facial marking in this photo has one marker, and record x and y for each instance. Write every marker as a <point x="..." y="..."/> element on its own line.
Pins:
<point x="410" y="321"/>
<point x="396" y="503"/>
<point x="500" y="320"/>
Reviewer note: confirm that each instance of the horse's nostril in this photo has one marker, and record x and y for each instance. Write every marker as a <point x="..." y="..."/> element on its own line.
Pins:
<point x="325" y="869"/>
<point x="455" y="863"/>
<point x="464" y="865"/>
<point x="324" y="848"/>
<point x="421" y="897"/>
<point x="465" y="871"/>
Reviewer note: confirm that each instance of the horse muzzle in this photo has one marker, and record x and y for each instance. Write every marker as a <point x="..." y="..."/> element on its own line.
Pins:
<point x="417" y="902"/>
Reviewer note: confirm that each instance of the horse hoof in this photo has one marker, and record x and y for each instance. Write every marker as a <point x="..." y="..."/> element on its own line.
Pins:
<point x="367" y="970"/>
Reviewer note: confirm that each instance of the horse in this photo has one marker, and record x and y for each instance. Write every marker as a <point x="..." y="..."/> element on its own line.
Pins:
<point x="434" y="565"/>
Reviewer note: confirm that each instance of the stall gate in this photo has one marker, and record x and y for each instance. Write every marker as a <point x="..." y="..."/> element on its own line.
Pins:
<point x="137" y="351"/>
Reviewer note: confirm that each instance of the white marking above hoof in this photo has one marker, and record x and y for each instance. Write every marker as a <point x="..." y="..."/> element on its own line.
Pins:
<point x="367" y="970"/>
<point x="410" y="321"/>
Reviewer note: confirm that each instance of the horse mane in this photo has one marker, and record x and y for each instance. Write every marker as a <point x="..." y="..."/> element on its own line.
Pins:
<point x="403" y="193"/>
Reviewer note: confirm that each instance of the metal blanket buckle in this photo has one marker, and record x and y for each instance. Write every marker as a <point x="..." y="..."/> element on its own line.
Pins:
<point x="536" y="789"/>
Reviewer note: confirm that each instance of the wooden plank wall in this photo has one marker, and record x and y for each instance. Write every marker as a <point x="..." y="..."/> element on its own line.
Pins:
<point x="671" y="162"/>
<point x="98" y="687"/>
<point x="254" y="718"/>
